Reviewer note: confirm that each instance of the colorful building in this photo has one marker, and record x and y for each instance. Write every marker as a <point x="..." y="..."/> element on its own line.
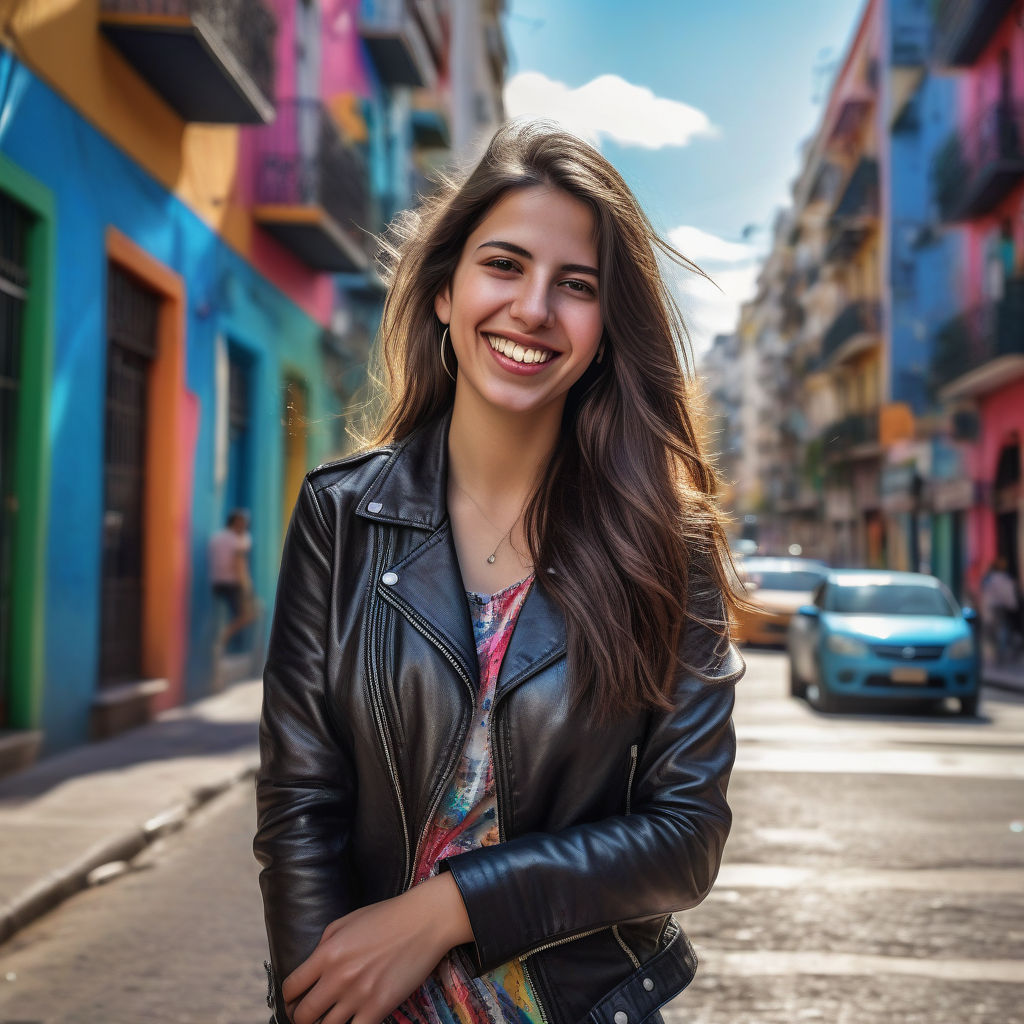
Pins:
<point x="921" y="283"/>
<point x="187" y="299"/>
<point x="978" y="353"/>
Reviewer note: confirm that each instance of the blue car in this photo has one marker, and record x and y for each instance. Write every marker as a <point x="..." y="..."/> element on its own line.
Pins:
<point x="876" y="634"/>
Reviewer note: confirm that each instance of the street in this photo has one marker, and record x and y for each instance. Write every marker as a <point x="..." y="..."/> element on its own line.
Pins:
<point x="875" y="874"/>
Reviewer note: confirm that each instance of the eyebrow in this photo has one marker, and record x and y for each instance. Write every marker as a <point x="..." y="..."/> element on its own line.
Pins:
<point x="518" y="250"/>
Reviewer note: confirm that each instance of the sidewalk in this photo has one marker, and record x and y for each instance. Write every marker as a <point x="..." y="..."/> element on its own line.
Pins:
<point x="1009" y="676"/>
<point x="104" y="802"/>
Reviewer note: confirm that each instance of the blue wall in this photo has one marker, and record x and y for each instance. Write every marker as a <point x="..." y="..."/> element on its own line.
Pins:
<point x="96" y="187"/>
<point x="924" y="252"/>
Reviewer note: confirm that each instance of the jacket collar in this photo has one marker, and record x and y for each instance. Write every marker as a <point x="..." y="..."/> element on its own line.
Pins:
<point x="411" y="490"/>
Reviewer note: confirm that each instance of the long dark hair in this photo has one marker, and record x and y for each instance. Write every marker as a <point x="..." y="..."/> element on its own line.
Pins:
<point x="625" y="514"/>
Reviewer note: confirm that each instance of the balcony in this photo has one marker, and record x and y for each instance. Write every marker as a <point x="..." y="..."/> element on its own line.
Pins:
<point x="398" y="46"/>
<point x="973" y="172"/>
<point x="911" y="41"/>
<point x="856" y="212"/>
<point x="981" y="349"/>
<point x="211" y="60"/>
<point x="853" y="331"/>
<point x="963" y="27"/>
<point x="312" y="189"/>
<point x="854" y="435"/>
<point x="851" y="116"/>
<point x="430" y="128"/>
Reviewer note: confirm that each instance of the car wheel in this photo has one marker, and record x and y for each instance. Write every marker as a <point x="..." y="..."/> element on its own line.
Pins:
<point x="969" y="706"/>
<point x="797" y="687"/>
<point x="821" y="696"/>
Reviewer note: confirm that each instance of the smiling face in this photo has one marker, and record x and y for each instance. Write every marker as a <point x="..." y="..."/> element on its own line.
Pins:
<point x="522" y="306"/>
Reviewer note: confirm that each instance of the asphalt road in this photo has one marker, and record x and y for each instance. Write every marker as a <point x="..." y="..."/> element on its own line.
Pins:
<point x="875" y="874"/>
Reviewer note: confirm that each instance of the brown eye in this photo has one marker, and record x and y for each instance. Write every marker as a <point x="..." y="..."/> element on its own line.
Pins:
<point x="501" y="263"/>
<point x="580" y="286"/>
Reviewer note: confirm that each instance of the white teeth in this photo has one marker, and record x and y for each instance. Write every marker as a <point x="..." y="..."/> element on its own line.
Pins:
<point x="519" y="353"/>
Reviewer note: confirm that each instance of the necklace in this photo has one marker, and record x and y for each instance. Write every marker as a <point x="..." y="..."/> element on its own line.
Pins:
<point x="505" y="536"/>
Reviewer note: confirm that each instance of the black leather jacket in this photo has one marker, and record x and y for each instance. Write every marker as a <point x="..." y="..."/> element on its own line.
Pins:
<point x="369" y="692"/>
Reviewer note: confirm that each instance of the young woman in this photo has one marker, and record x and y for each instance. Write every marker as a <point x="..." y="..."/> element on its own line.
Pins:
<point x="496" y="732"/>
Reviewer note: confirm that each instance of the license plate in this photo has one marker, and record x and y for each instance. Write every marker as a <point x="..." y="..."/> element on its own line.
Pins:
<point x="909" y="675"/>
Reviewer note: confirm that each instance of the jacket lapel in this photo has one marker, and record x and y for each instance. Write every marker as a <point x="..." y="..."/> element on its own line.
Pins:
<point x="429" y="593"/>
<point x="537" y="640"/>
<point x="426" y="585"/>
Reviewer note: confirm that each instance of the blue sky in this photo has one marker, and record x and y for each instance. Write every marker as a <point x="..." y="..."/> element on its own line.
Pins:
<point x="701" y="105"/>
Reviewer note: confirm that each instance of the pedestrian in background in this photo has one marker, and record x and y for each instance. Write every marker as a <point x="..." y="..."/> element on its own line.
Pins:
<point x="496" y="731"/>
<point x="230" y="578"/>
<point x="999" y="609"/>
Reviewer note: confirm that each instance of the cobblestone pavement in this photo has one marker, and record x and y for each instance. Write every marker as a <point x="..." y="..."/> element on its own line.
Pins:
<point x="875" y="874"/>
<point x="178" y="939"/>
<point x="804" y="998"/>
<point x="850" y="897"/>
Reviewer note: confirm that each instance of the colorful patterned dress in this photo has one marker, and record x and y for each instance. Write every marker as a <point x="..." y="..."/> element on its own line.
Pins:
<point x="466" y="819"/>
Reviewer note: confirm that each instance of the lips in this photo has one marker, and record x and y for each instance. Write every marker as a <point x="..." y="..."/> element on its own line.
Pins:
<point x="526" y="355"/>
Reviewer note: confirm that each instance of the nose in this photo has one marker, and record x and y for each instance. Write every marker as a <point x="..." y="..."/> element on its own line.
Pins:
<point x="531" y="306"/>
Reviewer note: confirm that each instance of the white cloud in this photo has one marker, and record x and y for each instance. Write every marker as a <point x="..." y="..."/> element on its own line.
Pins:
<point x="607" y="107"/>
<point x="703" y="247"/>
<point x="733" y="266"/>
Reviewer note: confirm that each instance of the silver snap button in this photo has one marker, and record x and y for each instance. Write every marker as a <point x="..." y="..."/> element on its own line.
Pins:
<point x="648" y="985"/>
<point x="374" y="507"/>
<point x="621" y="1017"/>
<point x="389" y="579"/>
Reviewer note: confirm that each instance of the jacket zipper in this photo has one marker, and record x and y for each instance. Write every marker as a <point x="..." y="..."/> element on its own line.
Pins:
<point x="562" y="942"/>
<point x="270" y="984"/>
<point x="448" y="772"/>
<point x="501" y="838"/>
<point x="453" y="762"/>
<point x="381" y="723"/>
<point x="634" y="752"/>
<point x="625" y="947"/>
<point x="534" y="990"/>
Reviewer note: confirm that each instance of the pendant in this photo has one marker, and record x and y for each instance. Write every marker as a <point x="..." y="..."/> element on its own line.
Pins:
<point x="490" y="559"/>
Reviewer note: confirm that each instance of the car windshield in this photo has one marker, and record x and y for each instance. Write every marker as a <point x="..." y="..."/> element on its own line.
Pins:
<point x="888" y="599"/>
<point x="771" y="580"/>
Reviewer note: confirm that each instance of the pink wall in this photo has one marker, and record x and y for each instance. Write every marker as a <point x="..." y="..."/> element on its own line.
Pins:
<point x="980" y="87"/>
<point x="1002" y="417"/>
<point x="979" y="90"/>
<point x="848" y="79"/>
<point x="343" y="67"/>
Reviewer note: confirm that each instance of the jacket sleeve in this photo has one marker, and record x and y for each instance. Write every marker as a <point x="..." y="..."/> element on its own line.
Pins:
<point x="662" y="857"/>
<point x="305" y="783"/>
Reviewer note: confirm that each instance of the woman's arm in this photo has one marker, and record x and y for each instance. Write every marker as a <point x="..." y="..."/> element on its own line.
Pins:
<point x="661" y="858"/>
<point x="368" y="962"/>
<point x="305" y="785"/>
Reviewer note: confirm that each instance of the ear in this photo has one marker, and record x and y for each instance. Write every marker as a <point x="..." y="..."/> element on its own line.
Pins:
<point x="443" y="304"/>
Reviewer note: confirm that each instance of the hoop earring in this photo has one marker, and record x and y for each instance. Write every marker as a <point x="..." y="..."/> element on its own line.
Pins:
<point x="444" y="338"/>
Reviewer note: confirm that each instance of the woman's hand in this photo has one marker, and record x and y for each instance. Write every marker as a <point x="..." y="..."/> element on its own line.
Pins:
<point x="369" y="961"/>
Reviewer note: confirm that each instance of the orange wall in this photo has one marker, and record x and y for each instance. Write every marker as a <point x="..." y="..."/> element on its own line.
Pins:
<point x="201" y="164"/>
<point x="169" y="460"/>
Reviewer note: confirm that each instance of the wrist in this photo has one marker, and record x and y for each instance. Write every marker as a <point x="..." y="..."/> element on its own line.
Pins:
<point x="444" y="910"/>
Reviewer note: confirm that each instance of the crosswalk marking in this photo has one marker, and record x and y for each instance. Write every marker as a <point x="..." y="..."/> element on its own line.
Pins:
<point x="979" y="764"/>
<point x="775" y="963"/>
<point x="948" y="881"/>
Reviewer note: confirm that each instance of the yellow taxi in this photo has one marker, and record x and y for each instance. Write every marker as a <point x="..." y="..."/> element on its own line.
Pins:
<point x="775" y="587"/>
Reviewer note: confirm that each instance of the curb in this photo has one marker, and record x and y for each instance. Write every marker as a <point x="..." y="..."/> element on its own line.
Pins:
<point x="1003" y="684"/>
<point x="58" y="886"/>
